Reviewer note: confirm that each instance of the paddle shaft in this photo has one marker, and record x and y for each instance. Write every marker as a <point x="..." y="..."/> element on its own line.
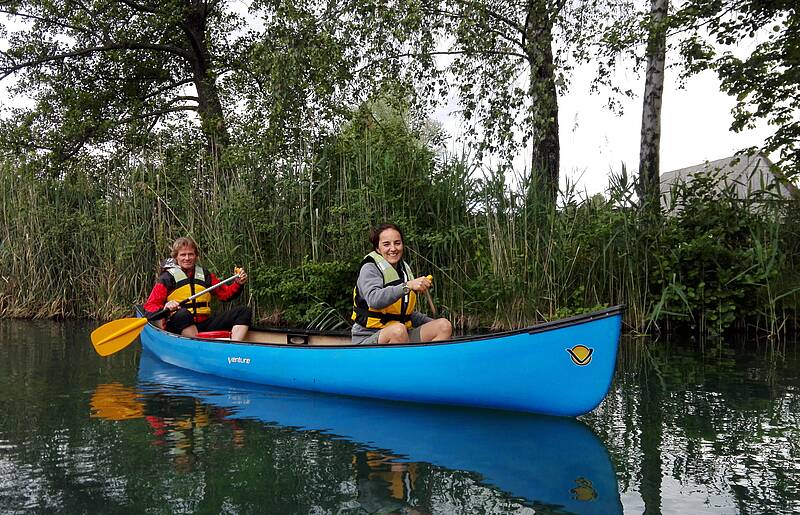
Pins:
<point x="429" y="299"/>
<point x="430" y="303"/>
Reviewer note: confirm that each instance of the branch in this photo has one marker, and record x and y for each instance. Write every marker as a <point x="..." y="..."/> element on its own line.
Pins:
<point x="428" y="54"/>
<point x="710" y="20"/>
<point x="557" y="7"/>
<point x="181" y="98"/>
<point x="139" y="7"/>
<point x="151" y="114"/>
<point x="6" y="71"/>
<point x="497" y="16"/>
<point x="168" y="87"/>
<point x="497" y="32"/>
<point x="49" y="21"/>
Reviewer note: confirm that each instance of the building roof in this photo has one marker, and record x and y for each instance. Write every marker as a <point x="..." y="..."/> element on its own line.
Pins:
<point x="742" y="173"/>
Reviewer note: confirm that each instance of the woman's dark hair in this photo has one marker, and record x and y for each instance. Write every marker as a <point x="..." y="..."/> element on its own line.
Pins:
<point x="375" y="233"/>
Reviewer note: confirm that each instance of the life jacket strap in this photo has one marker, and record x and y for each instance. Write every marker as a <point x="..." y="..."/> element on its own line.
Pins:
<point x="363" y="314"/>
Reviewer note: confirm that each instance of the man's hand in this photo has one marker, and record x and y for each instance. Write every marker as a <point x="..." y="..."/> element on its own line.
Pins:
<point x="242" y="275"/>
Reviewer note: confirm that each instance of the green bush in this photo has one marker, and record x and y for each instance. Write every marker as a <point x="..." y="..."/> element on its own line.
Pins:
<point x="707" y="268"/>
<point x="308" y="292"/>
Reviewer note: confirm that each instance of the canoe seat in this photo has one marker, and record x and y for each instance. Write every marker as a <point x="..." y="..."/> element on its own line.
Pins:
<point x="214" y="334"/>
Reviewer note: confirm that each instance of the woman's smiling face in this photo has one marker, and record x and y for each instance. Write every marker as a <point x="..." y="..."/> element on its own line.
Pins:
<point x="390" y="246"/>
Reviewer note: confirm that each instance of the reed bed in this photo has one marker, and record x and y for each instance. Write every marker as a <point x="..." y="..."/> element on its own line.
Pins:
<point x="85" y="242"/>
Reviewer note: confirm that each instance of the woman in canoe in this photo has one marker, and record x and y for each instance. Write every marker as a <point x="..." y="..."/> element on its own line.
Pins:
<point x="185" y="278"/>
<point x="385" y="296"/>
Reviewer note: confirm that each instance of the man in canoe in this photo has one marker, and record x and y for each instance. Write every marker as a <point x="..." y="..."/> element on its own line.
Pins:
<point x="385" y="296"/>
<point x="184" y="278"/>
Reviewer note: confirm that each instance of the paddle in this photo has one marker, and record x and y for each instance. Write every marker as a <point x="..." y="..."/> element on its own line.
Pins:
<point x="118" y="334"/>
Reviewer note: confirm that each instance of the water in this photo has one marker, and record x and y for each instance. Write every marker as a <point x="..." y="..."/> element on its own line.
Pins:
<point x="129" y="434"/>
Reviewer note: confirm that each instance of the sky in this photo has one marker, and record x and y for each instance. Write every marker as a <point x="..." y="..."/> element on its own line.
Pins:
<point x="594" y="141"/>
<point x="695" y="128"/>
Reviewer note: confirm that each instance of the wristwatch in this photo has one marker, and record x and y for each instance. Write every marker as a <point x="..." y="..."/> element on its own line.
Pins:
<point x="406" y="289"/>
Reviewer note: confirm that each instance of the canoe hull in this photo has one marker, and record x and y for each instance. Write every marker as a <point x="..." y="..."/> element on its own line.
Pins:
<point x="561" y="368"/>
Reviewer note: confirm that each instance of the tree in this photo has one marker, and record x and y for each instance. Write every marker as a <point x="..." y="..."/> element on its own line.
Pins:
<point x="508" y="62"/>
<point x="765" y="80"/>
<point x="299" y="77"/>
<point x="494" y="43"/>
<point x="650" y="141"/>
<point x="114" y="70"/>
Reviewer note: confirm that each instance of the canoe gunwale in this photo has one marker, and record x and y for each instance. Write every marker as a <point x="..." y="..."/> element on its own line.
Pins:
<point x="537" y="328"/>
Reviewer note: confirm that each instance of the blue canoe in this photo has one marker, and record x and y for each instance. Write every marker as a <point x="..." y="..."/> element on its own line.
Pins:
<point x="554" y="462"/>
<point x="562" y="367"/>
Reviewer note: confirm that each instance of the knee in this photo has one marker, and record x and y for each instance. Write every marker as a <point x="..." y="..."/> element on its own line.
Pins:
<point x="180" y="320"/>
<point x="445" y="327"/>
<point x="395" y="332"/>
<point x="182" y="315"/>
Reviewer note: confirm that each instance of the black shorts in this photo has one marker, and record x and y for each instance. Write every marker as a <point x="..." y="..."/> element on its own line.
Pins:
<point x="222" y="321"/>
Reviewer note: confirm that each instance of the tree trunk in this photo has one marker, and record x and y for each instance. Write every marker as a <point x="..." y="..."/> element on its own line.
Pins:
<point x="544" y="100"/>
<point x="212" y="118"/>
<point x="650" y="143"/>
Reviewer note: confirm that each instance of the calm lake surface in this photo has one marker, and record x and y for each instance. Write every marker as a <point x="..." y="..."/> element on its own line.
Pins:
<point x="129" y="434"/>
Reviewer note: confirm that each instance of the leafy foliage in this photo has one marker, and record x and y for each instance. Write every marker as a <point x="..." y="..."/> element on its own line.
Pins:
<point x="105" y="71"/>
<point x="708" y="269"/>
<point x="301" y="294"/>
<point x="764" y="81"/>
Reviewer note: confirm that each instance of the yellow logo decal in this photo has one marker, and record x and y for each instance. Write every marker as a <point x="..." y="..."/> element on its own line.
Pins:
<point x="581" y="354"/>
<point x="584" y="491"/>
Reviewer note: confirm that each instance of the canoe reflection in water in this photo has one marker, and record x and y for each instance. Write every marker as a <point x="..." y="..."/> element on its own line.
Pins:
<point x="554" y="464"/>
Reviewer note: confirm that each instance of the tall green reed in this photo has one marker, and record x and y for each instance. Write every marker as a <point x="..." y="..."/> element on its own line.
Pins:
<point x="87" y="242"/>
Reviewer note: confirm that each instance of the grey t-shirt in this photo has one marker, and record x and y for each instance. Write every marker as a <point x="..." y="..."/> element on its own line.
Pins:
<point x="370" y="287"/>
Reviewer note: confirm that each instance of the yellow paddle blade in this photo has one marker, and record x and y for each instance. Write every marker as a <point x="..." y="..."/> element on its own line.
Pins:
<point x="115" y="336"/>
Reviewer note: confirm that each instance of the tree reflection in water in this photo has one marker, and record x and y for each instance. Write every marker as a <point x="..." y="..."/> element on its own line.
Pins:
<point x="717" y="433"/>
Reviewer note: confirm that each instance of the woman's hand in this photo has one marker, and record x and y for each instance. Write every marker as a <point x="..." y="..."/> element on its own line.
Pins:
<point x="420" y="284"/>
<point x="172" y="305"/>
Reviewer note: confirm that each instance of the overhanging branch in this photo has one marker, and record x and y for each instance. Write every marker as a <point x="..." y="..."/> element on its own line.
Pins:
<point x="431" y="54"/>
<point x="50" y="21"/>
<point x="82" y="52"/>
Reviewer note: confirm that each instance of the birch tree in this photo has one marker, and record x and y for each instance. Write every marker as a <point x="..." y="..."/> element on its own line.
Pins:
<point x="650" y="140"/>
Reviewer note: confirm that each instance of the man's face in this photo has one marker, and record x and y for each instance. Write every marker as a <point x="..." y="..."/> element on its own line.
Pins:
<point x="186" y="258"/>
